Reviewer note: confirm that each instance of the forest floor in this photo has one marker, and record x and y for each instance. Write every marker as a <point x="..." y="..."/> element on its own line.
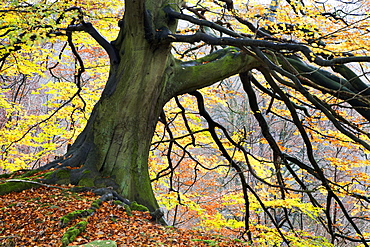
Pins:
<point x="33" y="218"/>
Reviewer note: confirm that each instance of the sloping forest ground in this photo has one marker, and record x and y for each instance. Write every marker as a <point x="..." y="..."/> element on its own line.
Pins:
<point x="34" y="217"/>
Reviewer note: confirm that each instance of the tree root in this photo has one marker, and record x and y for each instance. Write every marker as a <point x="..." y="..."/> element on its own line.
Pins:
<point x="34" y="182"/>
<point x="106" y="194"/>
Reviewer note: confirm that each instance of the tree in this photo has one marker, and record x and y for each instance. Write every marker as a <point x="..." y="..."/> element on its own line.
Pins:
<point x="294" y="54"/>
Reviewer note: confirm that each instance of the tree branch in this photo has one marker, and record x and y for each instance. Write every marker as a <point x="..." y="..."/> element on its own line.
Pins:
<point x="192" y="75"/>
<point x="90" y="29"/>
<point x="272" y="45"/>
<point x="173" y="14"/>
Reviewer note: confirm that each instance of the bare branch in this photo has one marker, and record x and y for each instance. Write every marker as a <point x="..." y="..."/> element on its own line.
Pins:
<point x="90" y="29"/>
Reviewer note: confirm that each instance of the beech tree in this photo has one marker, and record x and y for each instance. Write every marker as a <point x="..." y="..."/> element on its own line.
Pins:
<point x="311" y="57"/>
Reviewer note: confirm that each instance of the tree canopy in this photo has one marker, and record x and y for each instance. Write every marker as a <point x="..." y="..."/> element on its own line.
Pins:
<point x="245" y="117"/>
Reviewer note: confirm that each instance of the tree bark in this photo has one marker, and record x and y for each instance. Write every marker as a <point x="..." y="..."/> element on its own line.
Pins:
<point x="117" y="138"/>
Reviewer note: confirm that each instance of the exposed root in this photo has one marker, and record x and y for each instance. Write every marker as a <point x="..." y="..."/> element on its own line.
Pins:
<point x="106" y="195"/>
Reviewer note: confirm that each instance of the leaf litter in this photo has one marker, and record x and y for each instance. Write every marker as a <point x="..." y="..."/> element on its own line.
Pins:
<point x="32" y="218"/>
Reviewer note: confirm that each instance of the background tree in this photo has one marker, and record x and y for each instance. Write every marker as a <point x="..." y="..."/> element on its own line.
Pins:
<point x="292" y="63"/>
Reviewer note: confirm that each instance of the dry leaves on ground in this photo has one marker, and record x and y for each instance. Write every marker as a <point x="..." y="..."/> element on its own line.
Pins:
<point x="32" y="218"/>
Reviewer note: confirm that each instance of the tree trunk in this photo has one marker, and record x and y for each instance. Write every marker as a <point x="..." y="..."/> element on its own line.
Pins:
<point x="125" y="121"/>
<point x="117" y="138"/>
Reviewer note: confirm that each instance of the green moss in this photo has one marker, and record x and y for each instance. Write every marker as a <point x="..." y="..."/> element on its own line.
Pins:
<point x="128" y="209"/>
<point x="208" y="241"/>
<point x="64" y="220"/>
<point x="96" y="204"/>
<point x="86" y="182"/>
<point x="8" y="187"/>
<point x="138" y="207"/>
<point x="26" y="174"/>
<point x="63" y="176"/>
<point x="98" y="201"/>
<point x="47" y="175"/>
<point x="118" y="203"/>
<point x="6" y="175"/>
<point x="86" y="171"/>
<point x="70" y="235"/>
<point x="63" y="173"/>
<point x="29" y="173"/>
<point x="99" y="243"/>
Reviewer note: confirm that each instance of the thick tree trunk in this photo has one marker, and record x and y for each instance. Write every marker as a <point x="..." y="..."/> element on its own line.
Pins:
<point x="117" y="138"/>
<point x="124" y="122"/>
